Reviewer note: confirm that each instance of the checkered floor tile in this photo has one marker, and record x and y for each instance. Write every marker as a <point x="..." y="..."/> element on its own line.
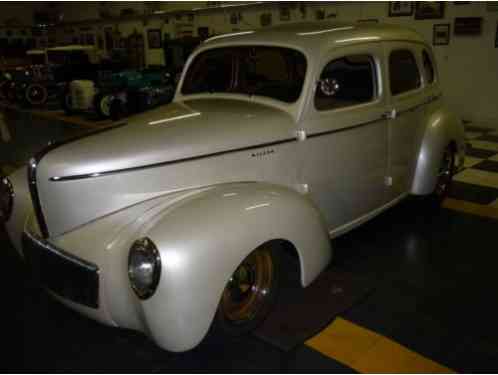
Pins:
<point x="477" y="182"/>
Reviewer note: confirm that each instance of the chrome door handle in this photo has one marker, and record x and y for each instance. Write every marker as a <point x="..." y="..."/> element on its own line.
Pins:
<point x="390" y="115"/>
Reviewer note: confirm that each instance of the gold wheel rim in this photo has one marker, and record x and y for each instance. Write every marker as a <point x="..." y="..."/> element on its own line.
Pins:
<point x="248" y="288"/>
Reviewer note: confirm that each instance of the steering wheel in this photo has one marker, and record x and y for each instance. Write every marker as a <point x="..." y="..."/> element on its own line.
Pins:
<point x="329" y="86"/>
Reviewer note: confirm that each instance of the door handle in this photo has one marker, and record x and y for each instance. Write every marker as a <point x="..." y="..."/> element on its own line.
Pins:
<point x="390" y="115"/>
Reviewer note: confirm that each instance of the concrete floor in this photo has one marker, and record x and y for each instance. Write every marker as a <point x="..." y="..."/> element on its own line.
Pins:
<point x="435" y="295"/>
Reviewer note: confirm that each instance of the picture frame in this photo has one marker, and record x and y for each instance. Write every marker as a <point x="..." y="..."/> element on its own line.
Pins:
<point x="320" y="14"/>
<point x="470" y="26"/>
<point x="284" y="13"/>
<point x="265" y="19"/>
<point x="400" y="8"/>
<point x="496" y="35"/>
<point x="425" y="10"/>
<point x="492" y="6"/>
<point x="154" y="38"/>
<point x="441" y="34"/>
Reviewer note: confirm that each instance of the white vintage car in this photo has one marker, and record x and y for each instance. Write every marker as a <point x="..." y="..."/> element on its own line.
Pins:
<point x="173" y="224"/>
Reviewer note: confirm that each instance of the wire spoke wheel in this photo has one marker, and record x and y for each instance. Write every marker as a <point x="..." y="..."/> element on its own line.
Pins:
<point x="249" y="288"/>
<point x="36" y="94"/>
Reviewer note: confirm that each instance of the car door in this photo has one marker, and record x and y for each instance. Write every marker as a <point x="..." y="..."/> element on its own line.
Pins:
<point x="405" y="114"/>
<point x="344" y="148"/>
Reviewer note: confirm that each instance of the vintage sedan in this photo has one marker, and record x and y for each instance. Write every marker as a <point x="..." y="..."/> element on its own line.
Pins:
<point x="278" y="139"/>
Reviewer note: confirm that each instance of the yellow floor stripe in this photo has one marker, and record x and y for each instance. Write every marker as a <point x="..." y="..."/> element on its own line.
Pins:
<point x="471" y="208"/>
<point x="368" y="352"/>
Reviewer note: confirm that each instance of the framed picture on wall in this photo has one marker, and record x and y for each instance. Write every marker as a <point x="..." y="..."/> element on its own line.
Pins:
<point x="467" y="26"/>
<point x="441" y="34"/>
<point x="154" y="38"/>
<point x="496" y="36"/>
<point x="400" y="8"/>
<point x="284" y="14"/>
<point x="265" y="19"/>
<point x="429" y="10"/>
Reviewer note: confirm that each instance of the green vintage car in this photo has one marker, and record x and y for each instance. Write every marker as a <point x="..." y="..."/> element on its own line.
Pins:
<point x="118" y="94"/>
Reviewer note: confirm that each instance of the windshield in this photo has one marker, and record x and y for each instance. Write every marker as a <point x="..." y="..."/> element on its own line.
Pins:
<point x="274" y="72"/>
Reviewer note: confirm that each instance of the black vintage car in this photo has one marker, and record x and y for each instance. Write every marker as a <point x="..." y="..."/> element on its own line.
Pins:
<point x="35" y="84"/>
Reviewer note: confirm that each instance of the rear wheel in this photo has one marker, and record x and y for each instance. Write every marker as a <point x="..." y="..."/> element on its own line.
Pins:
<point x="117" y="110"/>
<point x="36" y="94"/>
<point x="66" y="101"/>
<point x="444" y="179"/>
<point x="249" y="294"/>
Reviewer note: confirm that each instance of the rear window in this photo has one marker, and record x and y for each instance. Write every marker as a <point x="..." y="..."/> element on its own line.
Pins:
<point x="403" y="72"/>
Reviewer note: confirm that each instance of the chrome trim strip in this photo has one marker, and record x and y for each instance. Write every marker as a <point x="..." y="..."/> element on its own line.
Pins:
<point x="63" y="254"/>
<point x="345" y="129"/>
<point x="161" y="164"/>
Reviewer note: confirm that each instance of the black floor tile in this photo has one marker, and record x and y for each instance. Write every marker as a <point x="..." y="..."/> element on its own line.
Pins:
<point x="488" y="137"/>
<point x="473" y="193"/>
<point x="479" y="153"/>
<point x="472" y="128"/>
<point x="487" y="165"/>
<point x="308" y="360"/>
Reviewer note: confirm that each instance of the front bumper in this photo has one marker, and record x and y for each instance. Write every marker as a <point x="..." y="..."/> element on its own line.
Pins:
<point x="64" y="274"/>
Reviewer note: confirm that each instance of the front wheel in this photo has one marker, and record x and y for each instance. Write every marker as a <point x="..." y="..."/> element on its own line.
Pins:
<point x="36" y="94"/>
<point x="249" y="294"/>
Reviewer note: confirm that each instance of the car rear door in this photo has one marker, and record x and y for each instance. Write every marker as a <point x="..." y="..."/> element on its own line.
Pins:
<point x="405" y="114"/>
<point x="344" y="151"/>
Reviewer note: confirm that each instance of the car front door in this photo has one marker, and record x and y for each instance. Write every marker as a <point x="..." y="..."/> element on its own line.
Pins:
<point x="405" y="114"/>
<point x="344" y="140"/>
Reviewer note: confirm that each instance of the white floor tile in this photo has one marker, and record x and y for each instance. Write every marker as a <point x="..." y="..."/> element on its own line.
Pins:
<point x="478" y="177"/>
<point x="485" y="145"/>
<point x="472" y="135"/>
<point x="471" y="161"/>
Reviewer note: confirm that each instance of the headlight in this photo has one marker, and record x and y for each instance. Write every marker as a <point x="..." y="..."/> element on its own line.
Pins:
<point x="144" y="267"/>
<point x="6" y="199"/>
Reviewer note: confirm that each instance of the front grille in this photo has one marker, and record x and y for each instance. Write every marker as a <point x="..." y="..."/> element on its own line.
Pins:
<point x="62" y="273"/>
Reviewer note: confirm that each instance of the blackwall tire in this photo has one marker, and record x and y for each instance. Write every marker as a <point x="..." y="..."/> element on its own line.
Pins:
<point x="36" y="94"/>
<point x="249" y="295"/>
<point x="66" y="102"/>
<point x="117" y="110"/>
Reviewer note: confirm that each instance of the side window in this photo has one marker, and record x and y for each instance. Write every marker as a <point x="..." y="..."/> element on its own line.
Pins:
<point x="428" y="67"/>
<point x="345" y="82"/>
<point x="403" y="72"/>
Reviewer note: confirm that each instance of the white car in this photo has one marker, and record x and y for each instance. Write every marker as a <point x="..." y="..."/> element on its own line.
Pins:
<point x="173" y="223"/>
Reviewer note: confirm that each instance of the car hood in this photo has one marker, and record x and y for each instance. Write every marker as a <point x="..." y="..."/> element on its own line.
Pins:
<point x="170" y="148"/>
<point x="171" y="133"/>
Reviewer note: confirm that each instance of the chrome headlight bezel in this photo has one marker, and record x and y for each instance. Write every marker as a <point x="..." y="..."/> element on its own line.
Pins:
<point x="145" y="249"/>
<point x="7" y="189"/>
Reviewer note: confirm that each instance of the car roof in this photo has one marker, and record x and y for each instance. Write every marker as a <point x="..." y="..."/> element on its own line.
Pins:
<point x="313" y="36"/>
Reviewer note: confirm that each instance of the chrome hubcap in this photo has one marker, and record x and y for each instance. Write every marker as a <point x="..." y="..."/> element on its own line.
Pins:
<point x="248" y="288"/>
<point x="445" y="173"/>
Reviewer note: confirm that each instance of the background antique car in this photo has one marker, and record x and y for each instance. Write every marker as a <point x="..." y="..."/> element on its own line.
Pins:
<point x="34" y="84"/>
<point x="174" y="223"/>
<point x="116" y="94"/>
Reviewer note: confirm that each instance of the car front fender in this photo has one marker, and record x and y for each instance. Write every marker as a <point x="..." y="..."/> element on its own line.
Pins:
<point x="202" y="240"/>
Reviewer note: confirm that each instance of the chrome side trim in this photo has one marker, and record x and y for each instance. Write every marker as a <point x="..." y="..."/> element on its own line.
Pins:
<point x="35" y="198"/>
<point x="161" y="164"/>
